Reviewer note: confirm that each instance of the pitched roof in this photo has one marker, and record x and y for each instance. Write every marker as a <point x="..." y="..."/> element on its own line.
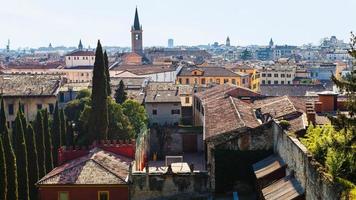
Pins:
<point x="290" y="90"/>
<point x="285" y="188"/>
<point x="277" y="107"/>
<point x="29" y="84"/>
<point x="162" y="96"/>
<point x="225" y="89"/>
<point x="226" y="114"/>
<point x="208" y="71"/>
<point x="81" y="53"/>
<point x="98" y="167"/>
<point x="268" y="165"/>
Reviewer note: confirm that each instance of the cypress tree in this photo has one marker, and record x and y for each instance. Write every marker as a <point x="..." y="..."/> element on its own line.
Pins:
<point x="56" y="134"/>
<point x="70" y="134"/>
<point x="2" y="117"/>
<point x="32" y="161"/>
<point x="47" y="142"/>
<point x="107" y="74"/>
<point x="120" y="93"/>
<point x="98" y="122"/>
<point x="11" y="168"/>
<point x="63" y="127"/>
<point x="40" y="145"/>
<point x="21" y="157"/>
<point x="3" y="177"/>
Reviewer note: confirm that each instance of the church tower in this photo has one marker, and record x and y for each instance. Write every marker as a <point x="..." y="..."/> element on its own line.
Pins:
<point x="80" y="45"/>
<point x="271" y="43"/>
<point x="136" y="36"/>
<point x="227" y="41"/>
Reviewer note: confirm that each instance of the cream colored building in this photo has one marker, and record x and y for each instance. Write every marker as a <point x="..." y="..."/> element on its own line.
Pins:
<point x="80" y="58"/>
<point x="278" y="75"/>
<point x="31" y="92"/>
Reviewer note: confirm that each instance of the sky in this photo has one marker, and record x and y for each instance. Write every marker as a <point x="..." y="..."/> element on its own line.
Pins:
<point x="36" y="23"/>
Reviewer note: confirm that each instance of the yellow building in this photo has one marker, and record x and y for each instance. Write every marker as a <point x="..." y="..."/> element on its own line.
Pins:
<point x="30" y="92"/>
<point x="201" y="76"/>
<point x="254" y="76"/>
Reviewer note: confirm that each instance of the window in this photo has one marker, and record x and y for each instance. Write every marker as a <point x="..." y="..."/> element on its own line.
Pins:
<point x="275" y="82"/>
<point x="276" y="75"/>
<point x="180" y="81"/>
<point x="218" y="81"/>
<point x="51" y="108"/>
<point x="195" y="81"/>
<point x="289" y="75"/>
<point x="283" y="75"/>
<point x="243" y="81"/>
<point x="226" y="80"/>
<point x="187" y="99"/>
<point x="269" y="75"/>
<point x="137" y="37"/>
<point x="103" y="195"/>
<point x="263" y="75"/>
<point x="211" y="80"/>
<point x="10" y="108"/>
<point x="187" y="81"/>
<point x="63" y="195"/>
<point x="269" y="82"/>
<point x="39" y="106"/>
<point x="263" y="82"/>
<point x="288" y="82"/>
<point x="154" y="112"/>
<point x="203" y="81"/>
<point x="233" y="81"/>
<point x="282" y="82"/>
<point x="175" y="112"/>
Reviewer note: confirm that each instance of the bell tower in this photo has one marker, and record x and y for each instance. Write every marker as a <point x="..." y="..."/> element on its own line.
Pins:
<point x="136" y="36"/>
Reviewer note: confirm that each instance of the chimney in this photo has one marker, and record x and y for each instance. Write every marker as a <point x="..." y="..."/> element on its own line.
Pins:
<point x="310" y="112"/>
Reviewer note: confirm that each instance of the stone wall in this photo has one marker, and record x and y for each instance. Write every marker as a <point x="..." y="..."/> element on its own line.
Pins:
<point x="149" y="186"/>
<point x="316" y="183"/>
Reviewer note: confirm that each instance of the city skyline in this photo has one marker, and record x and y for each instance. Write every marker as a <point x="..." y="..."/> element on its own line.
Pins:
<point x="38" y="23"/>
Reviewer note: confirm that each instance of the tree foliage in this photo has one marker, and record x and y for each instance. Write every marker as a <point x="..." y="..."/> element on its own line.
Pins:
<point x="40" y="144"/>
<point x="21" y="157"/>
<point x="32" y="161"/>
<point x="47" y="142"/>
<point x="63" y="128"/>
<point x="246" y="55"/>
<point x="98" y="121"/>
<point x="107" y="74"/>
<point x="56" y="134"/>
<point x="3" y="176"/>
<point x="136" y="114"/>
<point x="120" y="93"/>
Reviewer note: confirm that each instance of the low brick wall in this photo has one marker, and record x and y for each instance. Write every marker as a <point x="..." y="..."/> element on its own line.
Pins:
<point x="316" y="183"/>
<point x="165" y="186"/>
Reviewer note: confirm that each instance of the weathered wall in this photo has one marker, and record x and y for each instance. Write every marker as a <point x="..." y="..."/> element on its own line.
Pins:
<point x="316" y="183"/>
<point x="163" y="186"/>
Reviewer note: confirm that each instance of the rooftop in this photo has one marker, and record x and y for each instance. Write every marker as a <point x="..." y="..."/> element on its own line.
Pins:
<point x="81" y="53"/>
<point x="162" y="96"/>
<point x="208" y="71"/>
<point x="29" y="85"/>
<point x="98" y="167"/>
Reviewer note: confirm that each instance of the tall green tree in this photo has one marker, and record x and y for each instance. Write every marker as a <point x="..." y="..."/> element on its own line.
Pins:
<point x="56" y="134"/>
<point x="136" y="114"/>
<point x="99" y="116"/>
<point x="21" y="157"/>
<point x="107" y="73"/>
<point x="40" y="145"/>
<point x="63" y="127"/>
<point x="32" y="161"/>
<point x="69" y="134"/>
<point x="11" y="168"/>
<point x="47" y="142"/>
<point x="120" y="93"/>
<point x="246" y="55"/>
<point x="2" y="117"/>
<point x="3" y="176"/>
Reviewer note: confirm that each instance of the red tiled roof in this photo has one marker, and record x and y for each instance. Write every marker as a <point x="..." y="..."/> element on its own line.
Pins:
<point x="98" y="167"/>
<point x="277" y="107"/>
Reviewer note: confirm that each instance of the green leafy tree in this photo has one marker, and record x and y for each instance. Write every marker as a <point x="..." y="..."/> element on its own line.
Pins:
<point x="120" y="93"/>
<point x="11" y="168"/>
<point x="99" y="118"/>
<point x="56" y="134"/>
<point x="83" y="93"/>
<point x="32" y="161"/>
<point x="40" y="144"/>
<point x="47" y="142"/>
<point x="3" y="176"/>
<point x="21" y="157"/>
<point x="136" y="114"/>
<point x="63" y="127"/>
<point x="107" y="74"/>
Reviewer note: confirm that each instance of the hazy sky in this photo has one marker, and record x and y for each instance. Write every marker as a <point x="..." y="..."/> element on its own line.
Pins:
<point x="34" y="23"/>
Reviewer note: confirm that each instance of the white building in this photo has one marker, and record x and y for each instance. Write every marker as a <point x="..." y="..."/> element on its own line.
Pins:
<point x="80" y="58"/>
<point x="278" y="75"/>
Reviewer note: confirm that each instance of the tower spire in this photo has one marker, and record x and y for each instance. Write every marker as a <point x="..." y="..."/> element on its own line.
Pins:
<point x="136" y="25"/>
<point x="80" y="45"/>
